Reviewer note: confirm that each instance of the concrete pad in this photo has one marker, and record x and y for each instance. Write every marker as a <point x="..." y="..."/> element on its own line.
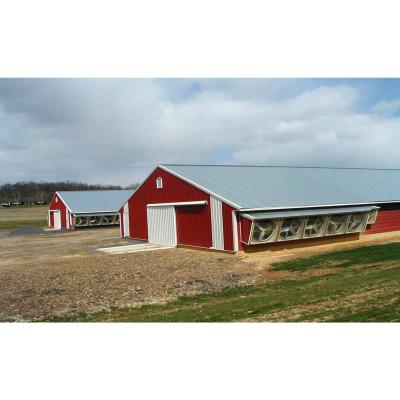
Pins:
<point x="133" y="248"/>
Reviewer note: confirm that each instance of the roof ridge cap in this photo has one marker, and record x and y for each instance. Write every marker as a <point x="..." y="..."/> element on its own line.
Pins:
<point x="280" y="166"/>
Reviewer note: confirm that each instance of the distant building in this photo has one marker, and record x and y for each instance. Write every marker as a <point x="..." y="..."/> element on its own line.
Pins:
<point x="28" y="200"/>
<point x="234" y="208"/>
<point x="74" y="209"/>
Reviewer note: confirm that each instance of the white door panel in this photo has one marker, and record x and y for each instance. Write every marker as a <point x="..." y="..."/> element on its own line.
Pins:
<point x="57" y="219"/>
<point x="161" y="225"/>
<point x="217" y="223"/>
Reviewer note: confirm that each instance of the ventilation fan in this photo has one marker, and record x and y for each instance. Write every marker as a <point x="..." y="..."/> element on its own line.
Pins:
<point x="291" y="229"/>
<point x="94" y="220"/>
<point x="314" y="226"/>
<point x="107" y="220"/>
<point x="356" y="222"/>
<point x="337" y="224"/>
<point x="81" y="221"/>
<point x="372" y="216"/>
<point x="263" y="231"/>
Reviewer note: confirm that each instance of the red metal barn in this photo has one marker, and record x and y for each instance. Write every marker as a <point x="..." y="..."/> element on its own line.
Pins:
<point x="74" y="209"/>
<point x="232" y="208"/>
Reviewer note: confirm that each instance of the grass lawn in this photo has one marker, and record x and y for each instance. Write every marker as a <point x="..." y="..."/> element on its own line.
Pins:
<point x="361" y="284"/>
<point x="17" y="224"/>
<point x="15" y="217"/>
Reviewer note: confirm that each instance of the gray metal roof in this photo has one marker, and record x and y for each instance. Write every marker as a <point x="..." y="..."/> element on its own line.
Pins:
<point x="95" y="201"/>
<point x="265" y="187"/>
<point x="307" y="212"/>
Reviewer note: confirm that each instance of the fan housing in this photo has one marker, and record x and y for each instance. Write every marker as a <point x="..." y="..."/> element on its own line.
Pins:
<point x="264" y="231"/>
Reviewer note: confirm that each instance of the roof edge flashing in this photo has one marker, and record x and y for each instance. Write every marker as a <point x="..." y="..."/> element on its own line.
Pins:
<point x="307" y="207"/>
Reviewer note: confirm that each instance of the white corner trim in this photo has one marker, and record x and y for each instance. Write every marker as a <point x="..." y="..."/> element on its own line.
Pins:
<point x="235" y="232"/>
<point x="125" y="220"/>
<point x="217" y="223"/>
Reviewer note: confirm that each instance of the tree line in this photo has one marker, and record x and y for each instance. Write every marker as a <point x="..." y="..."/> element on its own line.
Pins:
<point x="33" y="192"/>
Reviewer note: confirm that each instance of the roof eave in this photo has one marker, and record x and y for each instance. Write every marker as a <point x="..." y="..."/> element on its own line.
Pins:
<point x="315" y="206"/>
<point x="96" y="212"/>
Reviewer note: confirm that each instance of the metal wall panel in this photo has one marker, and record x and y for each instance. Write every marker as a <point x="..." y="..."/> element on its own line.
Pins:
<point x="388" y="219"/>
<point x="229" y="227"/>
<point x="161" y="223"/>
<point x="126" y="219"/>
<point x="245" y="229"/>
<point x="217" y="223"/>
<point x="193" y="226"/>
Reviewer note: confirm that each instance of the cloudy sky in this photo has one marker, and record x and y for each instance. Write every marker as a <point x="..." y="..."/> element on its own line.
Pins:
<point x="116" y="130"/>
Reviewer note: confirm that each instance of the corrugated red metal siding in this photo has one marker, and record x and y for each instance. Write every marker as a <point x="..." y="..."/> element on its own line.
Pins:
<point x="388" y="219"/>
<point x="59" y="206"/>
<point x="228" y="229"/>
<point x="193" y="224"/>
<point x="245" y="228"/>
<point x="174" y="190"/>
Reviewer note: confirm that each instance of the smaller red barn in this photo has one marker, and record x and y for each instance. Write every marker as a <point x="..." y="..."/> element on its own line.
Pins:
<point x="74" y="209"/>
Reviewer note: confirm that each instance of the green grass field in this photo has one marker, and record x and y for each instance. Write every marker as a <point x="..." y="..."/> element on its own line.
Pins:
<point x="42" y="223"/>
<point x="357" y="285"/>
<point x="16" y="217"/>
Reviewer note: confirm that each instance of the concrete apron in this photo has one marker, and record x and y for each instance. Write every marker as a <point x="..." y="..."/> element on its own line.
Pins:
<point x="132" y="248"/>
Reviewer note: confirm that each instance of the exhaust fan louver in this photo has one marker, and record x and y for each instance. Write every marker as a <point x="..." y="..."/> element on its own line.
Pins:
<point x="107" y="220"/>
<point x="337" y="224"/>
<point x="291" y="229"/>
<point x="356" y="222"/>
<point x="264" y="231"/>
<point x="94" y="220"/>
<point x="315" y="226"/>
<point x="372" y="216"/>
<point x="81" y="221"/>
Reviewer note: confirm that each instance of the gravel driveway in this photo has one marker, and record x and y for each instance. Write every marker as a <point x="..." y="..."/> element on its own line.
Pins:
<point x="54" y="274"/>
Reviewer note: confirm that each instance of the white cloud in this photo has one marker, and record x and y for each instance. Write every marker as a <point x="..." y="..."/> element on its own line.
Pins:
<point x="387" y="106"/>
<point x="115" y="131"/>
